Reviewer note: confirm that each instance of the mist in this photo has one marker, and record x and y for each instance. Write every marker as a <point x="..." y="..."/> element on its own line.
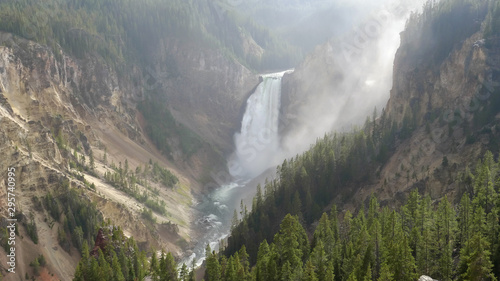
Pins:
<point x="343" y="81"/>
<point x="335" y="88"/>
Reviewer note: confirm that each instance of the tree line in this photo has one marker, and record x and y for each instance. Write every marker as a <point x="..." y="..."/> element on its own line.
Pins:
<point x="120" y="259"/>
<point x="423" y="236"/>
<point x="127" y="31"/>
<point x="306" y="184"/>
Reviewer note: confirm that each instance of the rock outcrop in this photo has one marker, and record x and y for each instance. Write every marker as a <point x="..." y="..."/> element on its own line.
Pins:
<point x="425" y="278"/>
<point x="100" y="243"/>
<point x="54" y="107"/>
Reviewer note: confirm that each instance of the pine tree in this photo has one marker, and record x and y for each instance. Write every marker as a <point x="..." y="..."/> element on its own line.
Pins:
<point x="424" y="242"/>
<point x="291" y="241"/>
<point x="319" y="260"/>
<point x="368" y="276"/>
<point x="273" y="273"/>
<point x="213" y="271"/>
<point x="263" y="257"/>
<point x="475" y="262"/>
<point x="309" y="272"/>
<point x="329" y="275"/>
<point x="446" y="223"/>
<point x="476" y="259"/>
<point x="102" y="267"/>
<point x="352" y="277"/>
<point x="153" y="268"/>
<point x="385" y="273"/>
<point x="243" y="264"/>
<point x="79" y="276"/>
<point x="184" y="273"/>
<point x="36" y="267"/>
<point x="235" y="221"/>
<point x="324" y="233"/>
<point x="230" y="271"/>
<point x="116" y="269"/>
<point x="286" y="271"/>
<point x="171" y="268"/>
<point x="84" y="261"/>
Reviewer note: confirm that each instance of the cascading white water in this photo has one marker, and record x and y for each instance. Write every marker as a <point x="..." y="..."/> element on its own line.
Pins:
<point x="256" y="149"/>
<point x="257" y="144"/>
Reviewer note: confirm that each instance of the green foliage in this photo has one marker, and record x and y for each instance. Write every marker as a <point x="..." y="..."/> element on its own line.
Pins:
<point x="126" y="180"/>
<point x="121" y="260"/>
<point x="36" y="266"/>
<point x="163" y="175"/>
<point x="127" y="31"/>
<point x="384" y="244"/>
<point x="52" y="206"/>
<point x="62" y="238"/>
<point x="148" y="215"/>
<point x="32" y="231"/>
<point x="493" y="20"/>
<point x="306" y="184"/>
<point x="429" y="37"/>
<point x="162" y="127"/>
<point x="213" y="270"/>
<point x="41" y="260"/>
<point x="78" y="216"/>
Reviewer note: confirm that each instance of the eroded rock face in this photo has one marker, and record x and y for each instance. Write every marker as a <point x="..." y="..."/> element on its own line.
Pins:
<point x="451" y="84"/>
<point x="100" y="243"/>
<point x="425" y="278"/>
<point x="52" y="105"/>
<point x="203" y="88"/>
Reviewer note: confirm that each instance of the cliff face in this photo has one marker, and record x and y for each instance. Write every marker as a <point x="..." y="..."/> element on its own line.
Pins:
<point x="424" y="88"/>
<point x="443" y="100"/>
<point x="335" y="88"/>
<point x="54" y="107"/>
<point x="206" y="91"/>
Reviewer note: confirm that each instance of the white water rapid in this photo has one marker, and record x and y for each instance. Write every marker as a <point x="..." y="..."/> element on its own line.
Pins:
<point x="257" y="148"/>
<point x="257" y="144"/>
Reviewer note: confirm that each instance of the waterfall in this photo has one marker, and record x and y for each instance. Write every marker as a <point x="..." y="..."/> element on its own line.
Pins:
<point x="257" y="147"/>
<point x="257" y="144"/>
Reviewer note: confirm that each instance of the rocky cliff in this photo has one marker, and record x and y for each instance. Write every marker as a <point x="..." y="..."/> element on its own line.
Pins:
<point x="64" y="119"/>
<point x="206" y="90"/>
<point x="444" y="98"/>
<point x="443" y="101"/>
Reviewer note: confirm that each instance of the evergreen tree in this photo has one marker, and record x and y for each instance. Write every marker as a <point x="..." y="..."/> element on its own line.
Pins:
<point x="424" y="242"/>
<point x="290" y="241"/>
<point x="446" y="225"/>
<point x="385" y="273"/>
<point x="116" y="269"/>
<point x="475" y="262"/>
<point x="329" y="275"/>
<point x="213" y="271"/>
<point x="319" y="260"/>
<point x="263" y="257"/>
<point x="475" y="259"/>
<point x="171" y="268"/>
<point x="309" y="272"/>
<point x="153" y="268"/>
<point x="184" y="273"/>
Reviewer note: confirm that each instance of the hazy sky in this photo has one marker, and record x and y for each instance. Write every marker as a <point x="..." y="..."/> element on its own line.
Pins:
<point x="363" y="61"/>
<point x="343" y="80"/>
